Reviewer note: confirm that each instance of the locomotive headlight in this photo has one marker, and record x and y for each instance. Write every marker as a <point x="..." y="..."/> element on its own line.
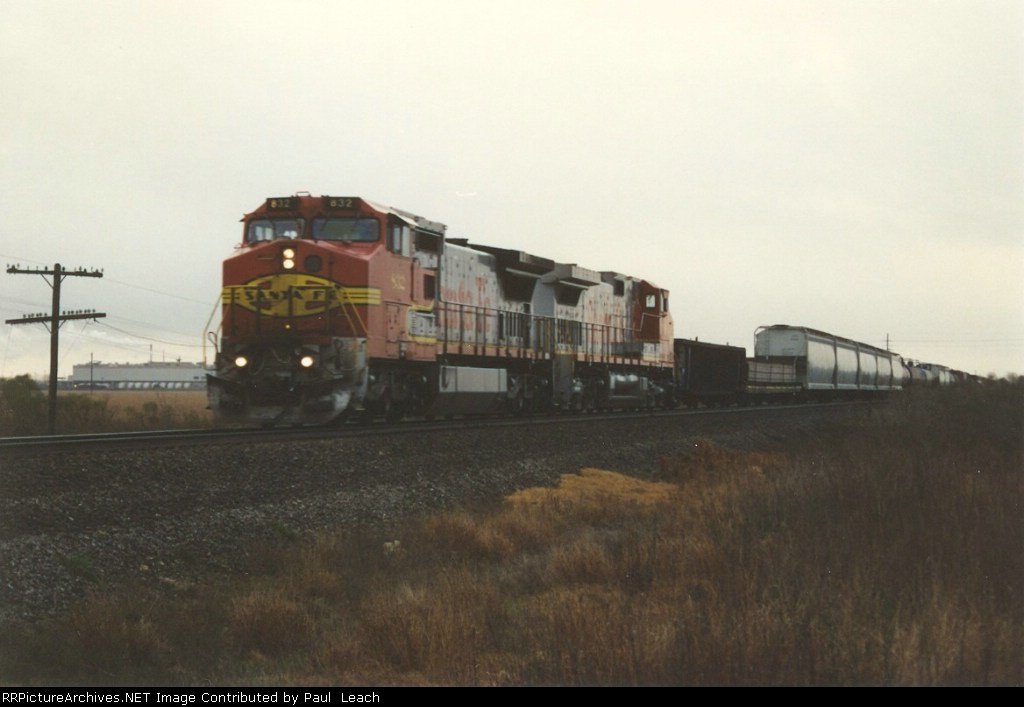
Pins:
<point x="307" y="361"/>
<point x="288" y="258"/>
<point x="241" y="361"/>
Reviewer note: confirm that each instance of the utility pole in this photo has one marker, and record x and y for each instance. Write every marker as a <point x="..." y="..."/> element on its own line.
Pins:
<point x="54" y="319"/>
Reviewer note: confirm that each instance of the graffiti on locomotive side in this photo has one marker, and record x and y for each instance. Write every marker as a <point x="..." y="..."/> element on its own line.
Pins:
<point x="293" y="295"/>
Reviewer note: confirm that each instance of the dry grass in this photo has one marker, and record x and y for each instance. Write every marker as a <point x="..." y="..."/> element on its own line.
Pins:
<point x="117" y="410"/>
<point x="183" y="401"/>
<point x="131" y="410"/>
<point x="24" y="410"/>
<point x="886" y="553"/>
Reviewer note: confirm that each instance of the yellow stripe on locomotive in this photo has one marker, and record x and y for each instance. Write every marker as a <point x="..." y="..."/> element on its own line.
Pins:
<point x="294" y="295"/>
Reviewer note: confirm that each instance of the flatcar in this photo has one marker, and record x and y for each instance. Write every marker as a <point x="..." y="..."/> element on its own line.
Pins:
<point x="334" y="306"/>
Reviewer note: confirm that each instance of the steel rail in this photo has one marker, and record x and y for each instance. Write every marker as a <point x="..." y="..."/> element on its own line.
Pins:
<point x="184" y="437"/>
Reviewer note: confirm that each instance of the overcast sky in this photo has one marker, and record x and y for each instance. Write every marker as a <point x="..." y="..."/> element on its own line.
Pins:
<point x="853" y="166"/>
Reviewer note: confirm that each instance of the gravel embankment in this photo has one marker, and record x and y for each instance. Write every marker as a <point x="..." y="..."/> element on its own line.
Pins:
<point x="72" y="521"/>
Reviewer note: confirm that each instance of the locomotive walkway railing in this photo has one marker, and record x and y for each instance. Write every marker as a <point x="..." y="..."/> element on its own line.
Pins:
<point x="473" y="330"/>
<point x="460" y="328"/>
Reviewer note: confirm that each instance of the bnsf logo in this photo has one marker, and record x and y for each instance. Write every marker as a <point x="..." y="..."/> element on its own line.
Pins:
<point x="292" y="295"/>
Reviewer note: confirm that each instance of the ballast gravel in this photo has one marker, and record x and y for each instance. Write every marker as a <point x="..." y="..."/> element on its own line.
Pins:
<point x="71" y="522"/>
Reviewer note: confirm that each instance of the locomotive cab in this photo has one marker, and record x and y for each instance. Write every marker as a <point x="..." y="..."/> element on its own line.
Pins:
<point x="317" y="288"/>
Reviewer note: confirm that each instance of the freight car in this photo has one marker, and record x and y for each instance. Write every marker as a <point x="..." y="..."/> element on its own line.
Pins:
<point x="821" y="365"/>
<point x="922" y="374"/>
<point x="789" y="363"/>
<point x="710" y="374"/>
<point x="334" y="306"/>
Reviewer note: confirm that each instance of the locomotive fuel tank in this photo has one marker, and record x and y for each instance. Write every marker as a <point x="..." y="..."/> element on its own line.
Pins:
<point x="465" y="390"/>
<point x="625" y="390"/>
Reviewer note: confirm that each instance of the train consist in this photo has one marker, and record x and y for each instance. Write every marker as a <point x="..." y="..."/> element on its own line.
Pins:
<point x="796" y="363"/>
<point x="335" y="307"/>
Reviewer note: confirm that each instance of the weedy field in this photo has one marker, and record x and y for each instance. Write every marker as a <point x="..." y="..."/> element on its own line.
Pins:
<point x="884" y="552"/>
<point x="149" y="409"/>
<point x="24" y="410"/>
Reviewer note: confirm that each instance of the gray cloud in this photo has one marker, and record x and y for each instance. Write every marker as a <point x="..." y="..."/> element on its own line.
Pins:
<point x="856" y="167"/>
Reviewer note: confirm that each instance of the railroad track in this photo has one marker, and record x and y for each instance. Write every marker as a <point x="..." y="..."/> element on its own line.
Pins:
<point x="194" y="437"/>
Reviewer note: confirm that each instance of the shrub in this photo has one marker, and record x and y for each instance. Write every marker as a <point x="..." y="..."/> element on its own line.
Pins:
<point x="23" y="407"/>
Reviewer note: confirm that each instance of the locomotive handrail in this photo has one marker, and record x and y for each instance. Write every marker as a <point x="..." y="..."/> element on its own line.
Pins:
<point x="470" y="329"/>
<point x="540" y="335"/>
<point x="211" y="335"/>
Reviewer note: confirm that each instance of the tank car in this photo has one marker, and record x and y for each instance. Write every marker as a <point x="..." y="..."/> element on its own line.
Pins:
<point x="825" y="365"/>
<point x="925" y="374"/>
<point x="917" y="375"/>
<point x="338" y="305"/>
<point x="941" y="375"/>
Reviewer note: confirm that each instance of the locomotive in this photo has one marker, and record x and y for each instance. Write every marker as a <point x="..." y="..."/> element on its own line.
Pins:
<point x="334" y="306"/>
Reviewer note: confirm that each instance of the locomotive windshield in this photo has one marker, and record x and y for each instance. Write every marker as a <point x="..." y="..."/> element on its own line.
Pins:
<point x="345" y="229"/>
<point x="365" y="230"/>
<point x="274" y="229"/>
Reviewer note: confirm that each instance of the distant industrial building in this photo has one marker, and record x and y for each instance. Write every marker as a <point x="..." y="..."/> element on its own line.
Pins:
<point x="139" y="376"/>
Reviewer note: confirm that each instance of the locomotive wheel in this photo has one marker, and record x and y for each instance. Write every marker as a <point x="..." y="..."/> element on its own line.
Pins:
<point x="517" y="405"/>
<point x="393" y="410"/>
<point x="343" y="417"/>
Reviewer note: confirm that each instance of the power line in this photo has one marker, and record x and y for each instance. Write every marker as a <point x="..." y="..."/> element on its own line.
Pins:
<point x="157" y="292"/>
<point x="149" y="338"/>
<point x="955" y="342"/>
<point x="118" y="282"/>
